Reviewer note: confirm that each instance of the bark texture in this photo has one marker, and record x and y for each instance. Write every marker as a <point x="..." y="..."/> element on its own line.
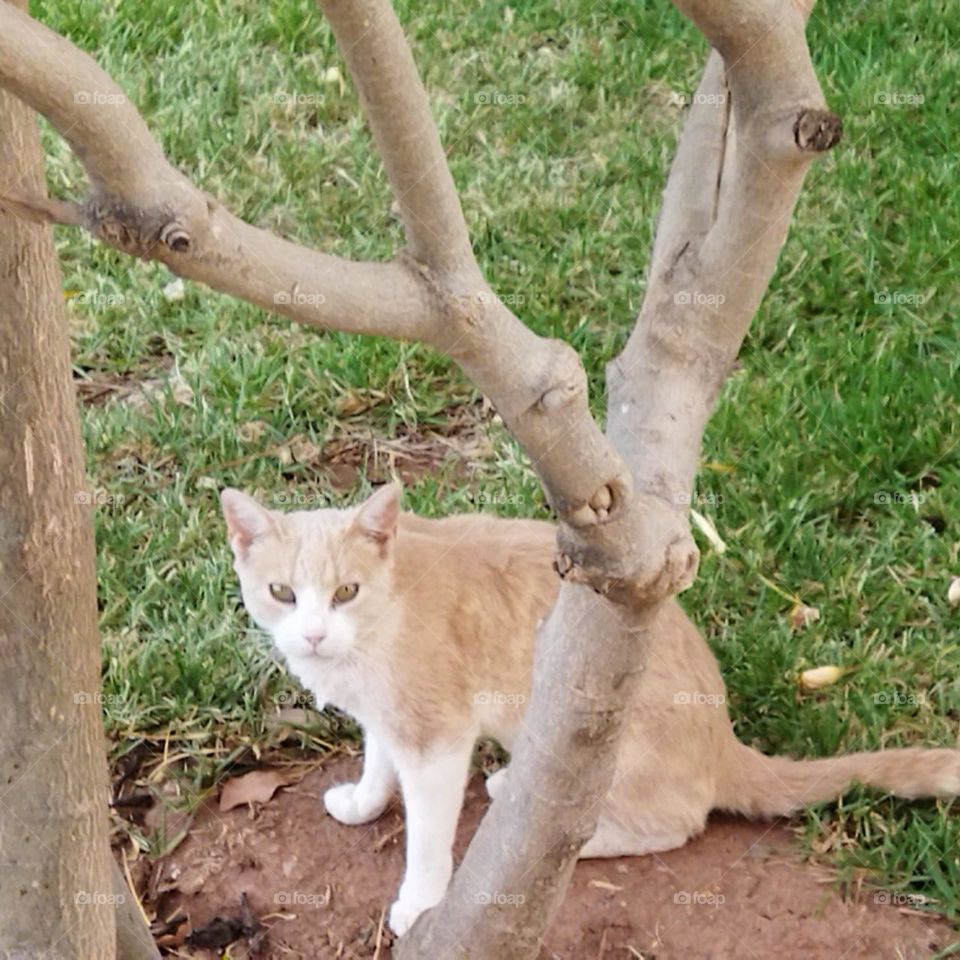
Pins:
<point x="624" y="542"/>
<point x="55" y="881"/>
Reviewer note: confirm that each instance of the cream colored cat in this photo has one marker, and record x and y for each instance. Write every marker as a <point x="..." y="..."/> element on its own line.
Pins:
<point x="423" y="630"/>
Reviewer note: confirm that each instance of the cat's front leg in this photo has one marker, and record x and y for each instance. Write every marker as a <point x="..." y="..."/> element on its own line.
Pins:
<point x="361" y="802"/>
<point x="433" y="784"/>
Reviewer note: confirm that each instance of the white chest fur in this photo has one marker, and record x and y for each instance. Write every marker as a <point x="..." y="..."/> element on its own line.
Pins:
<point x="348" y="685"/>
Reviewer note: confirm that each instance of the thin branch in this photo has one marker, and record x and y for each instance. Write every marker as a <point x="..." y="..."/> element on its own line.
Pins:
<point x="381" y="64"/>
<point x="698" y="308"/>
<point x="690" y="199"/>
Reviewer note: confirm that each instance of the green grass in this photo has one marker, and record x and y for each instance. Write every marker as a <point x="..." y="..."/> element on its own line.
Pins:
<point x="846" y="403"/>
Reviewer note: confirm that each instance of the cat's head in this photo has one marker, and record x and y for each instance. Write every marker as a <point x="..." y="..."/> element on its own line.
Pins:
<point x="319" y="581"/>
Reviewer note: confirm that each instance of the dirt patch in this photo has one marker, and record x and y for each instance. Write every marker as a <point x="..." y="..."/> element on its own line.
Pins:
<point x="96" y="383"/>
<point x="450" y="447"/>
<point x="321" y="890"/>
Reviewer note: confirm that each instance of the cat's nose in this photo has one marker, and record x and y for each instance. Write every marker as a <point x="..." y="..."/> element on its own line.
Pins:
<point x="315" y="639"/>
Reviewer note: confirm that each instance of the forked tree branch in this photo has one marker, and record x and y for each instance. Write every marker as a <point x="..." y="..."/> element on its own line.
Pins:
<point x="623" y="506"/>
<point x="433" y="291"/>
<point x="732" y="208"/>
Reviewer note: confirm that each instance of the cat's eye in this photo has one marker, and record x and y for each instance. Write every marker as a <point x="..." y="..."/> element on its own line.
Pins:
<point x="345" y="592"/>
<point x="282" y="593"/>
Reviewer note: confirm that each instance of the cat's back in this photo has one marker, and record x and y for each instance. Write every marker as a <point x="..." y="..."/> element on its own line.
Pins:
<point x="478" y="569"/>
<point x="474" y="588"/>
<point x="478" y="538"/>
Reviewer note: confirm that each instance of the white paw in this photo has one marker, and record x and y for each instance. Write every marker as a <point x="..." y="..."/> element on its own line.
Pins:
<point x="417" y="897"/>
<point x="403" y="915"/>
<point x="346" y="803"/>
<point x="495" y="783"/>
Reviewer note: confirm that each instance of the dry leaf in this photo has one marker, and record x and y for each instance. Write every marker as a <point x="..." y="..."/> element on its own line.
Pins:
<point x="355" y="402"/>
<point x="801" y="615"/>
<point x="816" y="678"/>
<point x="154" y="390"/>
<point x="708" y="530"/>
<point x="255" y="787"/>
<point x="304" y="450"/>
<point x="953" y="593"/>
<point x="251" y="431"/>
<point x="182" y="391"/>
<point x="298" y="450"/>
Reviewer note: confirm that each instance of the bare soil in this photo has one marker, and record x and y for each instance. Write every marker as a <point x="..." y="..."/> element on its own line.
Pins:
<point x="321" y="889"/>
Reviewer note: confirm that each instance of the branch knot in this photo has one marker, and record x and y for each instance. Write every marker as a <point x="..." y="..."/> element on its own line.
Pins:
<point x="174" y="236"/>
<point x="817" y="130"/>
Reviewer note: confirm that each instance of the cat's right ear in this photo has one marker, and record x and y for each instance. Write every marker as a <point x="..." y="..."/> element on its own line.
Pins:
<point x="376" y="518"/>
<point x="246" y="520"/>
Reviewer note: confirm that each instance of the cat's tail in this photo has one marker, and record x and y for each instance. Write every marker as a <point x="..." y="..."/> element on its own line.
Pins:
<point x="760" y="786"/>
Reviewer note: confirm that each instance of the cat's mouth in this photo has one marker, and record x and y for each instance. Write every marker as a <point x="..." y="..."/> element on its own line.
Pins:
<point x="315" y="655"/>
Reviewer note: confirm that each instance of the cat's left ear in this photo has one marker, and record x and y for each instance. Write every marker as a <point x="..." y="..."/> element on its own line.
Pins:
<point x="377" y="516"/>
<point x="246" y="520"/>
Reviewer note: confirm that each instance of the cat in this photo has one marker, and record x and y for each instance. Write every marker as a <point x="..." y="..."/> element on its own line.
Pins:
<point x="423" y="630"/>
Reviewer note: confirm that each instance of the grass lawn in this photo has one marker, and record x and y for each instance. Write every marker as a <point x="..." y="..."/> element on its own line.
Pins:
<point x="831" y="467"/>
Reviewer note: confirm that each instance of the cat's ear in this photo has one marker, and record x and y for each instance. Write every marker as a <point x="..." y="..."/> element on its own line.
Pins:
<point x="246" y="520"/>
<point x="376" y="517"/>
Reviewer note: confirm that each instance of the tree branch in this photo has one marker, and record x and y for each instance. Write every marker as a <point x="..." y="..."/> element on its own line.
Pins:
<point x="372" y="42"/>
<point x="708" y="283"/>
<point x="433" y="291"/>
<point x="690" y="199"/>
<point x="709" y="271"/>
<point x="141" y="205"/>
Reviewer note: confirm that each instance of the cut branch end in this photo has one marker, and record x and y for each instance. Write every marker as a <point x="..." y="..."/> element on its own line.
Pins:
<point x="816" y="131"/>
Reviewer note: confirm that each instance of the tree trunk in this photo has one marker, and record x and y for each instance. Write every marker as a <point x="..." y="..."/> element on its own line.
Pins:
<point x="56" y="888"/>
